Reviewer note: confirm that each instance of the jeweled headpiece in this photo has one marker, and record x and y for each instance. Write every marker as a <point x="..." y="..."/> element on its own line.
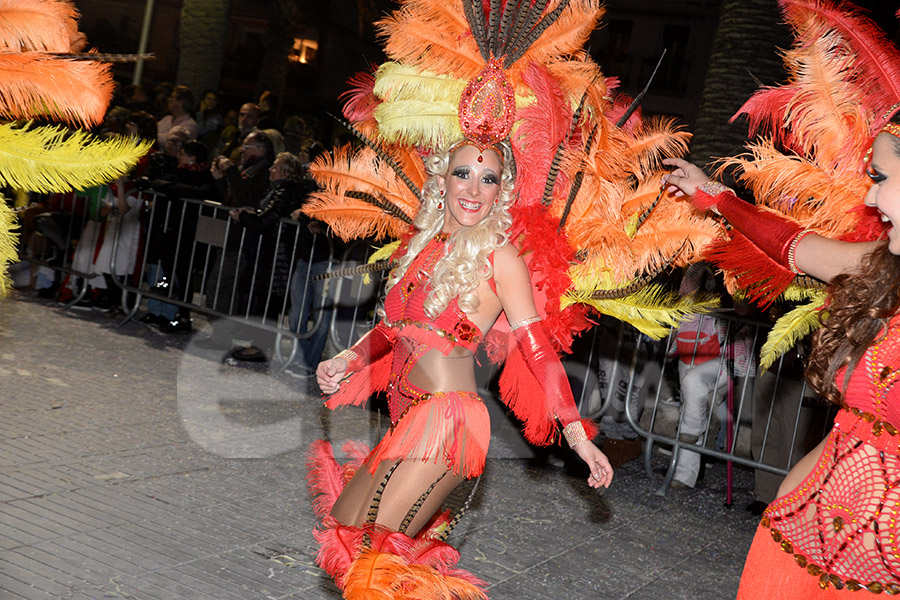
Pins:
<point x="487" y="107"/>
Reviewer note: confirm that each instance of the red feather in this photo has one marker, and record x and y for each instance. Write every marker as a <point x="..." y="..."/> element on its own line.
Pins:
<point x="338" y="547"/>
<point x="360" y="100"/>
<point x="544" y="125"/>
<point x="324" y="476"/>
<point x="878" y="58"/>
<point x="765" y="110"/>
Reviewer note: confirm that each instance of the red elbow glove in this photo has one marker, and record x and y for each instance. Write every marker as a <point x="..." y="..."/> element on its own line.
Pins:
<point x="370" y="347"/>
<point x="770" y="231"/>
<point x="542" y="361"/>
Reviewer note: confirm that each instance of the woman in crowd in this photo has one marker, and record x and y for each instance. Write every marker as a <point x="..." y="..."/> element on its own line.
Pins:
<point x="833" y="527"/>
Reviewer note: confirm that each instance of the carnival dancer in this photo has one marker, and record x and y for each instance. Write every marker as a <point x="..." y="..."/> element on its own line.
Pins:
<point x="825" y="175"/>
<point x="538" y="200"/>
<point x="833" y="528"/>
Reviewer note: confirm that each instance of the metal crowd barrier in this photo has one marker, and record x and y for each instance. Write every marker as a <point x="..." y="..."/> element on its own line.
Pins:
<point x="613" y="368"/>
<point x="767" y="419"/>
<point x="194" y="256"/>
<point x="55" y="233"/>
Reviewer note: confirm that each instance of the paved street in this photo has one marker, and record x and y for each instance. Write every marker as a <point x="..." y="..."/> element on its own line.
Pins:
<point x="136" y="466"/>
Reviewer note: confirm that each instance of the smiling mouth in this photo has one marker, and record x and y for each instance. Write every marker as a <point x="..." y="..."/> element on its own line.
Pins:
<point x="471" y="206"/>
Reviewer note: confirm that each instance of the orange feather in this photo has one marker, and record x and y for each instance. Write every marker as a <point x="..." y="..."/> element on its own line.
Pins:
<point x="434" y="35"/>
<point x="35" y="85"/>
<point x="37" y="25"/>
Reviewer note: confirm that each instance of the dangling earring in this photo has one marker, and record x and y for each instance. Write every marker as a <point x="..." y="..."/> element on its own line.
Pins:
<point x="440" y="204"/>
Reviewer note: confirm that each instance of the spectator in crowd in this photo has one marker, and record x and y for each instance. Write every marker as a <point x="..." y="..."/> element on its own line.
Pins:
<point x="703" y="373"/>
<point x="180" y="107"/>
<point x="138" y="97"/>
<point x="161" y="92"/>
<point x="163" y="162"/>
<point x="266" y="261"/>
<point x="236" y="186"/>
<point x="245" y="183"/>
<point x="210" y="120"/>
<point x="248" y="118"/>
<point x="268" y="110"/>
<point x="171" y="235"/>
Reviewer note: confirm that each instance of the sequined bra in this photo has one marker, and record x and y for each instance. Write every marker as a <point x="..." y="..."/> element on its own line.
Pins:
<point x="404" y="307"/>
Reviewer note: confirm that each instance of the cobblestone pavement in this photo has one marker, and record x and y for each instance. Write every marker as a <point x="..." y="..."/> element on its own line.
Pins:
<point x="137" y="466"/>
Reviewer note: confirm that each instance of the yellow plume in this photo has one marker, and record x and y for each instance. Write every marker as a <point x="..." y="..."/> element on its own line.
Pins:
<point x="790" y="329"/>
<point x="651" y="310"/>
<point x="394" y="81"/>
<point x="8" y="240"/>
<point x="431" y="124"/>
<point x="383" y="253"/>
<point x="55" y="159"/>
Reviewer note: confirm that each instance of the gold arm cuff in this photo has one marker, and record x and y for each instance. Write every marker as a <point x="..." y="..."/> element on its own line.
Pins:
<point x="574" y="433"/>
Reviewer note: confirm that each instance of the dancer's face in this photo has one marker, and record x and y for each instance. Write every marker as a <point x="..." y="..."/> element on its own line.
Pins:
<point x="884" y="172"/>
<point x="470" y="187"/>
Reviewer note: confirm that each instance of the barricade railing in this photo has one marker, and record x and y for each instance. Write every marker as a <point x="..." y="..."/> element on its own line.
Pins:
<point x="758" y="420"/>
<point x="194" y="256"/>
<point x="56" y="231"/>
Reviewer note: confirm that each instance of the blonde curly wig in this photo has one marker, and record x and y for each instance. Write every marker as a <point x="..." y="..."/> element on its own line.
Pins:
<point x="466" y="262"/>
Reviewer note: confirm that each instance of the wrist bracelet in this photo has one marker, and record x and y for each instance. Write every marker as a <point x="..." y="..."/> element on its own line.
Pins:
<point x="348" y="355"/>
<point x="574" y="433"/>
<point x="793" y="248"/>
<point x="713" y="188"/>
<point x="524" y="323"/>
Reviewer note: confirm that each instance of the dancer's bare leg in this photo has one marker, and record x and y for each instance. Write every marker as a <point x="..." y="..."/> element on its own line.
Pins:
<point x="409" y="481"/>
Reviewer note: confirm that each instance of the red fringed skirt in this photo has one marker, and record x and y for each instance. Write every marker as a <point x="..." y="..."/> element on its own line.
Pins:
<point x="448" y="427"/>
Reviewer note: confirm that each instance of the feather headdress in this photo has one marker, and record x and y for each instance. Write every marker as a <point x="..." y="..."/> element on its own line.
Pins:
<point x="808" y="161"/>
<point x="585" y="186"/>
<point x="41" y="78"/>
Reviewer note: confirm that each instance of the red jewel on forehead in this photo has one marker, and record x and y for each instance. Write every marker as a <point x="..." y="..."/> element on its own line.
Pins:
<point x="481" y="157"/>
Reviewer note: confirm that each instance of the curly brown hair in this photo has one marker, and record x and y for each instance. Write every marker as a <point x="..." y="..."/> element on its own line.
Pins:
<point x="859" y="308"/>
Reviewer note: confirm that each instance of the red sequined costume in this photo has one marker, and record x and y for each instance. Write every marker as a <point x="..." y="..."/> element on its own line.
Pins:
<point x="837" y="531"/>
<point x="450" y="425"/>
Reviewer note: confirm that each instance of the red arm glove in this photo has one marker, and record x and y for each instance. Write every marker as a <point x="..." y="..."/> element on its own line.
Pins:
<point x="543" y="363"/>
<point x="770" y="231"/>
<point x="370" y="347"/>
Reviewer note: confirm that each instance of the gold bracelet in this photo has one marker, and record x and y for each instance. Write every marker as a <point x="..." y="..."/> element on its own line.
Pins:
<point x="524" y="323"/>
<point x="348" y="355"/>
<point x="793" y="248"/>
<point x="574" y="433"/>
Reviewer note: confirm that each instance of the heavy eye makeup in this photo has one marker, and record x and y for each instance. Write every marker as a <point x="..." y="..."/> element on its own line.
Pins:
<point x="873" y="174"/>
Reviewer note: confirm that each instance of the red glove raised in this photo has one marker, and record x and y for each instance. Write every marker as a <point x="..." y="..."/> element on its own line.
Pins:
<point x="770" y="231"/>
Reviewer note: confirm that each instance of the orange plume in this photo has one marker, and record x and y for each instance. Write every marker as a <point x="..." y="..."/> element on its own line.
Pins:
<point x="37" y="25"/>
<point x="33" y="85"/>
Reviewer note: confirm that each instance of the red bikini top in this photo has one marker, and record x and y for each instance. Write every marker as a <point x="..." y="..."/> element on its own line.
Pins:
<point x="404" y="307"/>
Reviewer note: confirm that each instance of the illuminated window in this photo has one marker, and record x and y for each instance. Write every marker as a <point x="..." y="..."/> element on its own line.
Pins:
<point x="303" y="51"/>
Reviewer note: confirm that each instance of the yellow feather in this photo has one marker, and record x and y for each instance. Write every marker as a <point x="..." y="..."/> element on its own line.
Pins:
<point x="790" y="329"/>
<point x="395" y="81"/>
<point x="8" y="241"/>
<point x="651" y="310"/>
<point x="55" y="159"/>
<point x="383" y="253"/>
<point x="431" y="124"/>
<point x="797" y="293"/>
